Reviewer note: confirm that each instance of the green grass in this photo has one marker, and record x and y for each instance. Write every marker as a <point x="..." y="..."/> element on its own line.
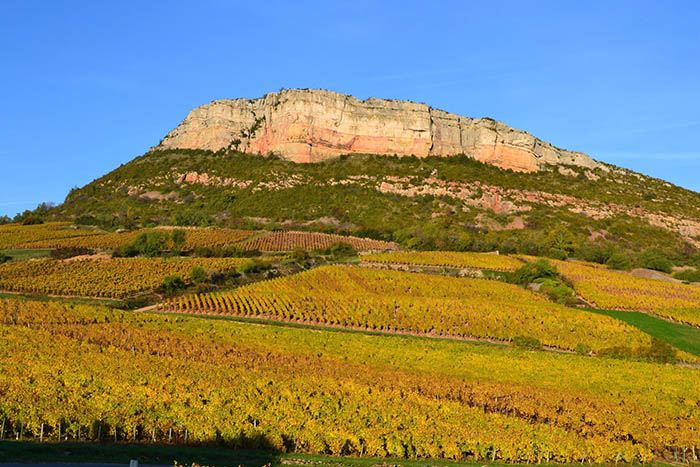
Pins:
<point x="74" y="452"/>
<point x="686" y="338"/>
<point x="17" y="255"/>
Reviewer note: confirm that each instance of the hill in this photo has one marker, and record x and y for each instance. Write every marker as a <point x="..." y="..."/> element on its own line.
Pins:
<point x="432" y="203"/>
<point x="501" y="188"/>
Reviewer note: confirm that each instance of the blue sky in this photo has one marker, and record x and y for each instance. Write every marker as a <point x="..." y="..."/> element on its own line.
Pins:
<point x="86" y="86"/>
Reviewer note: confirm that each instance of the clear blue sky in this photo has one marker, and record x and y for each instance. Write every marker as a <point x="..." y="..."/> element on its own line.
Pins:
<point x="88" y="85"/>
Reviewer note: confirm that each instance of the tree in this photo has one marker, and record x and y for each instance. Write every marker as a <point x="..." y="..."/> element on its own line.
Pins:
<point x="178" y="238"/>
<point x="654" y="258"/>
<point x="560" y="240"/>
<point x="530" y="272"/>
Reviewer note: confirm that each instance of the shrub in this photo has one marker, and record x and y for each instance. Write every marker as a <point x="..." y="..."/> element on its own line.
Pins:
<point x="619" y="261"/>
<point x="526" y="342"/>
<point x="197" y="274"/>
<point x="659" y="352"/>
<point x="530" y="272"/>
<point x="689" y="275"/>
<point x="172" y="284"/>
<point x="558" y="292"/>
<point x="69" y="252"/>
<point x="617" y="351"/>
<point x="653" y="258"/>
<point x="340" y="250"/>
<point x="299" y="255"/>
<point x="253" y="266"/>
<point x="146" y="244"/>
<point x="178" y="238"/>
<point x="595" y="252"/>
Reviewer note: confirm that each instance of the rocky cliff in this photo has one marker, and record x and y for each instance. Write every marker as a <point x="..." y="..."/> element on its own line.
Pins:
<point x="314" y="125"/>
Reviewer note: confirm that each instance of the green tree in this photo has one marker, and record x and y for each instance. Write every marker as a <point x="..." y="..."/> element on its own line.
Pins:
<point x="178" y="238"/>
<point x="561" y="240"/>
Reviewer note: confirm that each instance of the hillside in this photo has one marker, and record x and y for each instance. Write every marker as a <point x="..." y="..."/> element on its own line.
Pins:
<point x="432" y="203"/>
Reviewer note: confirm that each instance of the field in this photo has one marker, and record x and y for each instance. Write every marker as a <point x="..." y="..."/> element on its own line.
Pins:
<point x="194" y="237"/>
<point x="13" y="236"/>
<point x="185" y="378"/>
<point x="450" y="259"/>
<point x="617" y="290"/>
<point x="114" y="277"/>
<point x="337" y="360"/>
<point x="288" y="240"/>
<point x="416" y="303"/>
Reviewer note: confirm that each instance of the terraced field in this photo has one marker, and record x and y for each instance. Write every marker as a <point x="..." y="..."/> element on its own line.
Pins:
<point x="416" y="303"/>
<point x="450" y="259"/>
<point x="617" y="290"/>
<point x="114" y="277"/>
<point x="288" y="240"/>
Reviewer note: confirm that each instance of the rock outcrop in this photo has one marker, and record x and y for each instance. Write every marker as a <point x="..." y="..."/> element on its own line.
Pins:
<point x="315" y="125"/>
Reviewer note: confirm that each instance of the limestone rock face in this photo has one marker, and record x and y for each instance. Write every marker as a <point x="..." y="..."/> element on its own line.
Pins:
<point x="315" y="125"/>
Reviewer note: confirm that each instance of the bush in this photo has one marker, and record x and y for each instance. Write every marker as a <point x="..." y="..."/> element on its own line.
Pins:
<point x="619" y="261"/>
<point x="595" y="252"/>
<point x="197" y="274"/>
<point x="558" y="292"/>
<point x="253" y="266"/>
<point x="299" y="255"/>
<point x="340" y="250"/>
<point x="69" y="252"/>
<point x="530" y="272"/>
<point x="657" y="260"/>
<point x="617" y="351"/>
<point x="146" y="244"/>
<point x="172" y="284"/>
<point x="527" y="342"/>
<point x="689" y="275"/>
<point x="178" y="238"/>
<point x="659" y="352"/>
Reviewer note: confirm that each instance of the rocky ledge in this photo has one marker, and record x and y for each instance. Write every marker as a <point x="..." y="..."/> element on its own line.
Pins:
<point x="305" y="125"/>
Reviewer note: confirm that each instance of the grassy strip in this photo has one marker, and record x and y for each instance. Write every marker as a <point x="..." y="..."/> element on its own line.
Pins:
<point x="122" y="453"/>
<point x="18" y="255"/>
<point x="686" y="338"/>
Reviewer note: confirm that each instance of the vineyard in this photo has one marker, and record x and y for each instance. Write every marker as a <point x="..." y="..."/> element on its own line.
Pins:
<point x="115" y="277"/>
<point x="288" y="240"/>
<point x="74" y="372"/>
<point x="416" y="303"/>
<point x="617" y="290"/>
<point x="194" y="237"/>
<point x="21" y="236"/>
<point x="450" y="259"/>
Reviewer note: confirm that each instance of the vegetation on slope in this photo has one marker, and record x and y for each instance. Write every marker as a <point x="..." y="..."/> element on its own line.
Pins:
<point x="346" y="195"/>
